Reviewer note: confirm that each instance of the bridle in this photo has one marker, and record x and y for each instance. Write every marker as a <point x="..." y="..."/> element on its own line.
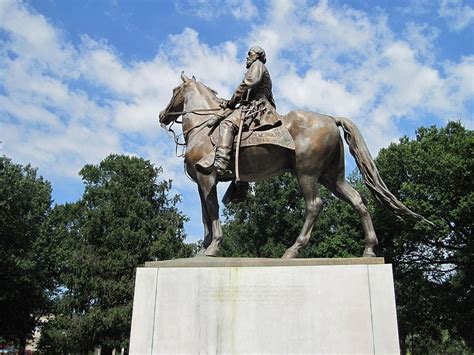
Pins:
<point x="180" y="113"/>
<point x="202" y="112"/>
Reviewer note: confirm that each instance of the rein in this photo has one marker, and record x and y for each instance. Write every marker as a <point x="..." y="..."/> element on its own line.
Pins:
<point x="201" y="111"/>
<point x="175" y="136"/>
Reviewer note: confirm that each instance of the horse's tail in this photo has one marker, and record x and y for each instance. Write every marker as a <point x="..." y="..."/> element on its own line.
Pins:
<point x="370" y="174"/>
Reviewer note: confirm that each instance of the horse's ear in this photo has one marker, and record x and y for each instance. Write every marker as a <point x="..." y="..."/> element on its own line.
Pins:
<point x="184" y="78"/>
<point x="194" y="78"/>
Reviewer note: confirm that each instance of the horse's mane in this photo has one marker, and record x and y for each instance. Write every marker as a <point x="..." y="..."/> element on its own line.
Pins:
<point x="208" y="88"/>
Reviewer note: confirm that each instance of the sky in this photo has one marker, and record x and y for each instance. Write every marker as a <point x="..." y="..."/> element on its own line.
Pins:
<point x="81" y="79"/>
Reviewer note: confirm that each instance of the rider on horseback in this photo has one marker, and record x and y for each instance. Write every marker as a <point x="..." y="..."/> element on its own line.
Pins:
<point x="256" y="86"/>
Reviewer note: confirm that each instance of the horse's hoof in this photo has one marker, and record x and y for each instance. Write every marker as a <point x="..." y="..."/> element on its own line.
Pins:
<point x="369" y="254"/>
<point x="290" y="254"/>
<point x="211" y="251"/>
<point x="201" y="254"/>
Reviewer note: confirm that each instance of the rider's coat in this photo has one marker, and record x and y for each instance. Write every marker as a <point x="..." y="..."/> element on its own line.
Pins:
<point x="258" y="80"/>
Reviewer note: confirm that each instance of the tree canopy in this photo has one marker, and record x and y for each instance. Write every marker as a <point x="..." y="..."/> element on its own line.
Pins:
<point x="124" y="219"/>
<point x="433" y="266"/>
<point x="25" y="200"/>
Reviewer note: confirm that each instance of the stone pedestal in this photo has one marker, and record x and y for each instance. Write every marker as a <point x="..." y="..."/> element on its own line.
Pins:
<point x="264" y="306"/>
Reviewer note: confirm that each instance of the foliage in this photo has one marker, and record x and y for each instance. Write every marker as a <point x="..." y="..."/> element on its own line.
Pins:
<point x="433" y="267"/>
<point x="124" y="219"/>
<point x="25" y="200"/>
<point x="446" y="344"/>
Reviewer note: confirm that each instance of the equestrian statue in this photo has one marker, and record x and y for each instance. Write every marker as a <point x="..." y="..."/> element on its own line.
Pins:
<point x="244" y="140"/>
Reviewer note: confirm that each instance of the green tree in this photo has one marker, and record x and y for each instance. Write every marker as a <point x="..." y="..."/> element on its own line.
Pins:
<point x="25" y="200"/>
<point x="433" y="267"/>
<point x="124" y="219"/>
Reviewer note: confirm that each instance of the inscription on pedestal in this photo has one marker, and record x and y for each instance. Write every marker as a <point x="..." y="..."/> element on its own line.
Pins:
<point x="263" y="295"/>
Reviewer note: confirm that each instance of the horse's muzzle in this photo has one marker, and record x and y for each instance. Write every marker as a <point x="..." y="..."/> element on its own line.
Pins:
<point x="162" y="116"/>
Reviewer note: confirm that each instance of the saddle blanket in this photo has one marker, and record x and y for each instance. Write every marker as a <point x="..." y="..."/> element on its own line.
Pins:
<point x="277" y="135"/>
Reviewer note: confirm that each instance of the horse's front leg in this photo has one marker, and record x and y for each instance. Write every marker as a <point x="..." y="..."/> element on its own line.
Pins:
<point x="206" y="222"/>
<point x="208" y="192"/>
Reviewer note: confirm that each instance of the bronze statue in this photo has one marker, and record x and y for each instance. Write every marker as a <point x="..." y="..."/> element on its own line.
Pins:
<point x="254" y="90"/>
<point x="315" y="155"/>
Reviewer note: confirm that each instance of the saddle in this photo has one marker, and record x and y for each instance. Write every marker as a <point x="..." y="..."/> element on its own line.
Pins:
<point x="276" y="135"/>
<point x="262" y="125"/>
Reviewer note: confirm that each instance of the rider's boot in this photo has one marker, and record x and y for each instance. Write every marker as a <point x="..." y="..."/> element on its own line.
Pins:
<point x="224" y="149"/>
<point x="222" y="157"/>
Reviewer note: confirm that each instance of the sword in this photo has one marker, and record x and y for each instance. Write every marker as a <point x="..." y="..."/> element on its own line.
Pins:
<point x="239" y="137"/>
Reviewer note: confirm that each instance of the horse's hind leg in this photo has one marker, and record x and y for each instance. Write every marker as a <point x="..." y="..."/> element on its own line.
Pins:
<point x="310" y="190"/>
<point x="346" y="192"/>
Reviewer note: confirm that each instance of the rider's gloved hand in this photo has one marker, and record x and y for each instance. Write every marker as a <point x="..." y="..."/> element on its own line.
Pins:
<point x="223" y="103"/>
<point x="232" y="102"/>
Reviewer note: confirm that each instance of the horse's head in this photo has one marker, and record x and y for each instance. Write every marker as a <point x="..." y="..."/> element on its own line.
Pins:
<point x="176" y="104"/>
<point x="175" y="107"/>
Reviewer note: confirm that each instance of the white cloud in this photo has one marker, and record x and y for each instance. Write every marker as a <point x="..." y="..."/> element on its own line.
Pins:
<point x="459" y="90"/>
<point x="30" y="113"/>
<point x="421" y="38"/>
<point x="415" y="7"/>
<point x="100" y="65"/>
<point x="44" y="121"/>
<point x="315" y="93"/>
<point x="457" y="14"/>
<point x="243" y="9"/>
<point x="211" y="9"/>
<point x="350" y="28"/>
<point x="217" y="66"/>
<point x="408" y="82"/>
<point x="139" y="116"/>
<point x="32" y="36"/>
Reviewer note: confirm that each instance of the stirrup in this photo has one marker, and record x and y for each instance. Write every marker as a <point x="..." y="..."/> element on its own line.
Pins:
<point x="236" y="192"/>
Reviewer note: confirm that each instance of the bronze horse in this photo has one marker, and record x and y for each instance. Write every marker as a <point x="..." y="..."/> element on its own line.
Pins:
<point x="318" y="158"/>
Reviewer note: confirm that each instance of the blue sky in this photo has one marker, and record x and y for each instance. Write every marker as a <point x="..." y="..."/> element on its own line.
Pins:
<point x="82" y="79"/>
